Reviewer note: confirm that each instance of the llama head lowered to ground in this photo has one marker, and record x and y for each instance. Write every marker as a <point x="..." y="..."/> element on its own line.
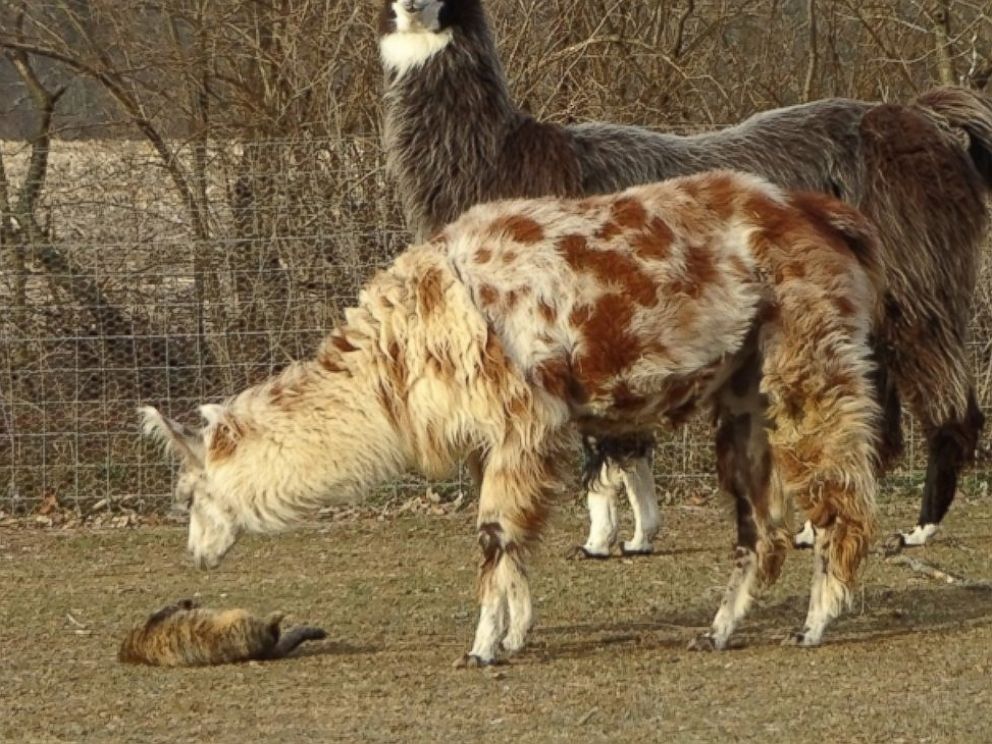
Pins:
<point x="401" y="384"/>
<point x="614" y="313"/>
<point x="271" y="455"/>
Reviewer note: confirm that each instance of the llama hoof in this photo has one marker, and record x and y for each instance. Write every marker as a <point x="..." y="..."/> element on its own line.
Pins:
<point x="801" y="639"/>
<point x="471" y="661"/>
<point x="918" y="537"/>
<point x="635" y="550"/>
<point x="512" y="645"/>
<point x="706" y="642"/>
<point x="580" y="553"/>
<point x="805" y="538"/>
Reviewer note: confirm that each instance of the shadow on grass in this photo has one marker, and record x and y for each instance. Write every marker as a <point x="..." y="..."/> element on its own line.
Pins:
<point x="878" y="613"/>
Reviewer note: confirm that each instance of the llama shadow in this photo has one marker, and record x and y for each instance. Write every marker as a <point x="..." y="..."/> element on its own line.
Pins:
<point x="878" y="613"/>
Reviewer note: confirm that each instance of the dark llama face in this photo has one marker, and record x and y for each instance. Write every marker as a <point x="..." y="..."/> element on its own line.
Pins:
<point x="430" y="16"/>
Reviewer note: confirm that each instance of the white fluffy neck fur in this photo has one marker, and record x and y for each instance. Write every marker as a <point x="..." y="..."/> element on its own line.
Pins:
<point x="308" y="438"/>
<point x="403" y="51"/>
<point x="378" y="399"/>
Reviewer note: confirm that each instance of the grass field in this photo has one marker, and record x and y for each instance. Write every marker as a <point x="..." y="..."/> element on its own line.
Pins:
<point x="606" y="662"/>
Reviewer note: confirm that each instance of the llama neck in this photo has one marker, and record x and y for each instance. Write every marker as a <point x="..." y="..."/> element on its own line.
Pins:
<point x="378" y="399"/>
<point x="450" y="115"/>
<point x="313" y="436"/>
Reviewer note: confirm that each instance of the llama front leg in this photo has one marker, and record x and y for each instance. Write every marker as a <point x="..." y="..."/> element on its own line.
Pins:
<point x="512" y="508"/>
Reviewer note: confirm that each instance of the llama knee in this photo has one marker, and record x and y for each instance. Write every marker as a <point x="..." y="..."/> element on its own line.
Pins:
<point x="491" y="542"/>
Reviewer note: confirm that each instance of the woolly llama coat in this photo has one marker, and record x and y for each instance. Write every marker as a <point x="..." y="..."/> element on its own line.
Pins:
<point x="921" y="172"/>
<point x="613" y="314"/>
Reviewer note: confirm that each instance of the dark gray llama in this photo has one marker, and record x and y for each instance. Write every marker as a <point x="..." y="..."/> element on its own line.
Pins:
<point x="921" y="172"/>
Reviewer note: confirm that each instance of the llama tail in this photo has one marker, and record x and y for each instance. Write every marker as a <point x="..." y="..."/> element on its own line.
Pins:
<point x="971" y="112"/>
<point x="289" y="640"/>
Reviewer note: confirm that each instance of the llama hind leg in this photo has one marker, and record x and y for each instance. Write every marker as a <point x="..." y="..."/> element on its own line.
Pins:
<point x="951" y="445"/>
<point x="638" y="481"/>
<point x="602" y="479"/>
<point x="829" y="596"/>
<point x="823" y="449"/>
<point x="890" y="445"/>
<point x="612" y="464"/>
<point x="511" y="514"/>
<point x="762" y="537"/>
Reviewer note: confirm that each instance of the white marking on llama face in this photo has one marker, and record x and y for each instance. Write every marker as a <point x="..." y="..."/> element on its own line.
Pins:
<point x="417" y="38"/>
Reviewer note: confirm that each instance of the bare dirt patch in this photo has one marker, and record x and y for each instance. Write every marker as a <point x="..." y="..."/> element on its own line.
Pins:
<point x="607" y="660"/>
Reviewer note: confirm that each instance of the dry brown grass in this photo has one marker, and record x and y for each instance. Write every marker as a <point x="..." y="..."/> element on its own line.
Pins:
<point x="607" y="660"/>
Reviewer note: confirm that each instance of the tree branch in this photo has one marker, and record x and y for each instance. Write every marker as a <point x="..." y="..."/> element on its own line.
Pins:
<point x="814" y="52"/>
<point x="120" y="93"/>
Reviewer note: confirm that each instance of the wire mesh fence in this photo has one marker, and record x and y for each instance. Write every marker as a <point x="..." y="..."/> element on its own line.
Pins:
<point x="140" y="295"/>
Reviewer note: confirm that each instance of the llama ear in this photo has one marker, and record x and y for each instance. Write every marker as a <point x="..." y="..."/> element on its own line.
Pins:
<point x="178" y="439"/>
<point x="213" y="414"/>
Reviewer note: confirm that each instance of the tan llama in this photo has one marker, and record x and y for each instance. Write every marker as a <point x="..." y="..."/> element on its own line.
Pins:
<point x="525" y="321"/>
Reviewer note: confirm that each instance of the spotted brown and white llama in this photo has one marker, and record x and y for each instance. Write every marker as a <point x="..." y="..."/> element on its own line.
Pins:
<point x="526" y="319"/>
<point x="921" y="172"/>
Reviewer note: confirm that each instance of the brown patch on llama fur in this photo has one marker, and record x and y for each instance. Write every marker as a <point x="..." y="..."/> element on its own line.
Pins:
<point x="514" y="295"/>
<point x="608" y="230"/>
<point x="330" y="360"/>
<point x="700" y="269"/>
<point x="521" y="229"/>
<point x="341" y="343"/>
<point x="557" y="376"/>
<point x="845" y="307"/>
<point x="720" y="194"/>
<point x="654" y="241"/>
<point x="624" y="397"/>
<point x="628" y="213"/>
<point x="430" y="293"/>
<point x="223" y="443"/>
<point x="547" y="311"/>
<point x="495" y="365"/>
<point x="483" y="255"/>
<point x="488" y="295"/>
<point x="610" y="267"/>
<point x="609" y="345"/>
